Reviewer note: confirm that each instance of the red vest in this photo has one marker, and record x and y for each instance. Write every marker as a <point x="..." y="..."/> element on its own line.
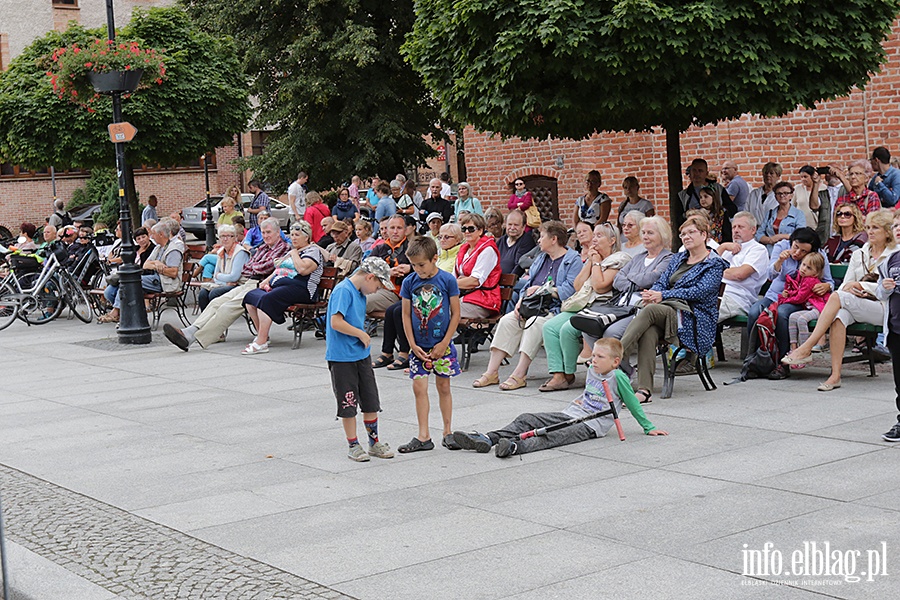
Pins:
<point x="488" y="295"/>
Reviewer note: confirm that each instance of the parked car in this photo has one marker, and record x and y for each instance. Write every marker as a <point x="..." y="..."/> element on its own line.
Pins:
<point x="87" y="214"/>
<point x="194" y="220"/>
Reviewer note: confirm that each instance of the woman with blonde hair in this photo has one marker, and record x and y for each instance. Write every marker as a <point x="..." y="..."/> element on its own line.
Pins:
<point x="849" y="233"/>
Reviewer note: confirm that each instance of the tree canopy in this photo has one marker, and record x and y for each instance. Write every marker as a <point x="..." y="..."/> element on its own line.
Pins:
<point x="202" y="104"/>
<point x="569" y="68"/>
<point x="332" y="86"/>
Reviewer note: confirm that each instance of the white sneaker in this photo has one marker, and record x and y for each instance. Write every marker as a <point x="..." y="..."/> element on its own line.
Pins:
<point x="357" y="453"/>
<point x="381" y="450"/>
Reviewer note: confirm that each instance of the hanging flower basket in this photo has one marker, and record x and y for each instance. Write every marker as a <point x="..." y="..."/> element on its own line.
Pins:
<point x="81" y="74"/>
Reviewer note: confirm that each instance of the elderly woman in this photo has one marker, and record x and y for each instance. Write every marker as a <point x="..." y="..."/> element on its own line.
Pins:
<point x="162" y="270"/>
<point x="594" y="206"/>
<point x="562" y="341"/>
<point x="855" y="190"/>
<point x="230" y="259"/>
<point x="631" y="232"/>
<point x="584" y="239"/>
<point x="294" y="281"/>
<point x="855" y="301"/>
<point x="466" y="201"/>
<point x="782" y="220"/>
<point x="344" y="209"/>
<point x="229" y="206"/>
<point x="450" y="239"/>
<point x="849" y="233"/>
<point x="477" y="270"/>
<point x="762" y="199"/>
<point x="316" y="210"/>
<point x="493" y="222"/>
<point x="680" y="306"/>
<point x="555" y="263"/>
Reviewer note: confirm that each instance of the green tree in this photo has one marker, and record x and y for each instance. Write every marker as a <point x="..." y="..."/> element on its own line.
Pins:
<point x="569" y="68"/>
<point x="202" y="104"/>
<point x="331" y="83"/>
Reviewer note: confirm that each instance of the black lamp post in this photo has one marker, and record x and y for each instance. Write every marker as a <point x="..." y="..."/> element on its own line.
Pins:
<point x="133" y="325"/>
<point x="210" y="224"/>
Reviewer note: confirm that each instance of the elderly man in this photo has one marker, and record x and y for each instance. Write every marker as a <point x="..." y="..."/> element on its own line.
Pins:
<point x="748" y="262"/>
<point x="689" y="197"/>
<point x="227" y="308"/>
<point x="344" y="253"/>
<point x="435" y="203"/>
<point x="737" y="186"/>
<point x="514" y="244"/>
<point x="393" y="251"/>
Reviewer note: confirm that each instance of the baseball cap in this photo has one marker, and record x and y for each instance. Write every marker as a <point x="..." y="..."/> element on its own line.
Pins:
<point x="376" y="266"/>
<point x="433" y="216"/>
<point x="338" y="226"/>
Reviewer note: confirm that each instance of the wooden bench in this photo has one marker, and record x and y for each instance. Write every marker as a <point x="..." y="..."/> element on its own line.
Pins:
<point x="303" y="315"/>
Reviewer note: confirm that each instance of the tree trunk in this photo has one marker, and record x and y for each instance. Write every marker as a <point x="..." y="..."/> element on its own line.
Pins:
<point x="131" y="194"/>
<point x="674" y="172"/>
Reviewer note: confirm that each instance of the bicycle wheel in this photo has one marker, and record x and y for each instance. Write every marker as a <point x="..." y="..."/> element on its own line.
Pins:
<point x="9" y="307"/>
<point x="44" y="304"/>
<point x="77" y="299"/>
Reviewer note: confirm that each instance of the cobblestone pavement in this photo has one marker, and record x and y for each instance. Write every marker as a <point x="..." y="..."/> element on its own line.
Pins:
<point x="133" y="557"/>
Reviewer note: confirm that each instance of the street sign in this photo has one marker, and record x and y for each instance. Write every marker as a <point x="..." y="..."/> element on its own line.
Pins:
<point x="121" y="132"/>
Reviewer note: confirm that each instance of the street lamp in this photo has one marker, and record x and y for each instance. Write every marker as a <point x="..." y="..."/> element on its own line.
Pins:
<point x="210" y="224"/>
<point x="133" y="325"/>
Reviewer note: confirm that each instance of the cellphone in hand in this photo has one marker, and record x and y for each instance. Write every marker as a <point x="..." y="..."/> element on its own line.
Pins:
<point x="823" y="170"/>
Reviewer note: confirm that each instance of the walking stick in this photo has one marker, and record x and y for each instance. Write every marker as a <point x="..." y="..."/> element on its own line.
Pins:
<point x="610" y="411"/>
<point x="3" y="572"/>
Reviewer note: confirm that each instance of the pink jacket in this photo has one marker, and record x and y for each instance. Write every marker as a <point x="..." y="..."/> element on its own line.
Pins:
<point x="522" y="203"/>
<point x="798" y="290"/>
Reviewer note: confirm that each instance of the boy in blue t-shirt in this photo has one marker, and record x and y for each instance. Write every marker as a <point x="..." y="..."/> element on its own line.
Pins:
<point x="348" y="355"/>
<point x="430" y="299"/>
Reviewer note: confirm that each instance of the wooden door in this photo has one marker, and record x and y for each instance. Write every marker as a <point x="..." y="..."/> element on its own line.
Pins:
<point x="546" y="197"/>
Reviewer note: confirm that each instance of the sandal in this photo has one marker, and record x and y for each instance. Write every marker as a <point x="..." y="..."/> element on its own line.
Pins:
<point x="108" y="318"/>
<point x="646" y="394"/>
<point x="416" y="445"/>
<point x="486" y="380"/>
<point x="400" y="363"/>
<point x="555" y="387"/>
<point x="513" y="383"/>
<point x="382" y="361"/>
<point x="254" y="348"/>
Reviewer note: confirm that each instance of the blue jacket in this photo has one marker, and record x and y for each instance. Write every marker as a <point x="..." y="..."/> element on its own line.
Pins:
<point x="795" y="219"/>
<point x="565" y="276"/>
<point x="699" y="287"/>
<point x="889" y="188"/>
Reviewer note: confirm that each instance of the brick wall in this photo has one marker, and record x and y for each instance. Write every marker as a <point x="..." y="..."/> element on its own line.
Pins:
<point x="838" y="131"/>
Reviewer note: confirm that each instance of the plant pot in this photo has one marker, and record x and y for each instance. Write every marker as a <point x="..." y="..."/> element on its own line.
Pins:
<point x="115" y="81"/>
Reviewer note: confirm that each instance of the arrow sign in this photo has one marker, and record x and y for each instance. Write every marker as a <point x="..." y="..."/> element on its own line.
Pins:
<point x="121" y="132"/>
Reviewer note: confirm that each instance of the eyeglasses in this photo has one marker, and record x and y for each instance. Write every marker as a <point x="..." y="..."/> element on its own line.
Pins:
<point x="841" y="213"/>
<point x="468" y="229"/>
<point x="446" y="237"/>
<point x="226" y="235"/>
<point x="689" y="233"/>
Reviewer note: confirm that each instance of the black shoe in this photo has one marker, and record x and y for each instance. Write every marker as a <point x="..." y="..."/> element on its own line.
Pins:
<point x="175" y="336"/>
<point x="894" y="434"/>
<point x="779" y="373"/>
<point x="473" y="441"/>
<point x="505" y="448"/>
<point x="320" y="335"/>
<point x="880" y="353"/>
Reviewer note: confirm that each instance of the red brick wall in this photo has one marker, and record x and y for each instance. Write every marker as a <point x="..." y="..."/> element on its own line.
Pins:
<point x="841" y="130"/>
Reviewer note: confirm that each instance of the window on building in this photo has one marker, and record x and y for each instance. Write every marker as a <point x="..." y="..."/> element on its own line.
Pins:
<point x="73" y="3"/>
<point x="258" y="140"/>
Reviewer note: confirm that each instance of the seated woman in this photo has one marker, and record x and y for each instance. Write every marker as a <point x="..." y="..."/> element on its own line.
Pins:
<point x="584" y="239"/>
<point x="556" y="263"/>
<point x="229" y="206"/>
<point x="477" y="270"/>
<point x="230" y="259"/>
<point x="680" y="307"/>
<point x="849" y="233"/>
<point x="631" y="233"/>
<point x="162" y="270"/>
<point x="450" y="239"/>
<point x="294" y="281"/>
<point x="781" y="221"/>
<point x="855" y="301"/>
<point x="562" y="341"/>
<point x="344" y="209"/>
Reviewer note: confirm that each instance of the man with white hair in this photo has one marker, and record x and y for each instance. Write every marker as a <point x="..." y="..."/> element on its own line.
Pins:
<point x="210" y="326"/>
<point x="435" y="203"/>
<point x="737" y="187"/>
<point x="748" y="262"/>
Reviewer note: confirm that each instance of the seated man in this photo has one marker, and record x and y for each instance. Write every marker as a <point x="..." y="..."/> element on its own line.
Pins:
<point x="607" y="355"/>
<point x="253" y="237"/>
<point x="748" y="262"/>
<point x="393" y="251"/>
<point x="226" y="309"/>
<point x="344" y="254"/>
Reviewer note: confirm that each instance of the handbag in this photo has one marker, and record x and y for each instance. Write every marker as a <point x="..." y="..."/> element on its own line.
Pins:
<point x="533" y="217"/>
<point x="537" y="304"/>
<point x="580" y="299"/>
<point x="594" y="319"/>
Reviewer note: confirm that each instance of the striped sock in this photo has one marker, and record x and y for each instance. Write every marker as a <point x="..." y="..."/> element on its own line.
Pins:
<point x="372" y="431"/>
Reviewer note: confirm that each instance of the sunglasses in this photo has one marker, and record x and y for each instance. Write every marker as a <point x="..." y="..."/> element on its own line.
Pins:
<point x="843" y="214"/>
<point x="520" y="184"/>
<point x="468" y="229"/>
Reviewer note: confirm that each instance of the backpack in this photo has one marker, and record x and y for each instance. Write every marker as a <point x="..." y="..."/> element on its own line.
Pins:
<point x="763" y="356"/>
<point x="65" y="218"/>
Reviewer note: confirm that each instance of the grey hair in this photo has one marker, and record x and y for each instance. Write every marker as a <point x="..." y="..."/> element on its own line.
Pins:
<point x="661" y="226"/>
<point x="396" y="185"/>
<point x="452" y="229"/>
<point x="162" y="227"/>
<point x="747" y="216"/>
<point x="270" y="223"/>
<point x="227" y="228"/>
<point x="611" y="232"/>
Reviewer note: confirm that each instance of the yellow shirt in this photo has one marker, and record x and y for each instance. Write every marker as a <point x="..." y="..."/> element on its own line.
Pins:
<point x="447" y="259"/>
<point x="226" y="218"/>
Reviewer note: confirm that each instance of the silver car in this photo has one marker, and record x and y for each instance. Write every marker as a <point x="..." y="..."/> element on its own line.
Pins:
<point x="194" y="220"/>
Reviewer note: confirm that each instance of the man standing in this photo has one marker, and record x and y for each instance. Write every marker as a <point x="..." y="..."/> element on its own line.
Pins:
<point x="297" y="197"/>
<point x="227" y="308"/>
<point x="748" y="262"/>
<point x="393" y="251"/>
<point x="59" y="217"/>
<point x="150" y="212"/>
<point x="260" y="203"/>
<point x="737" y="187"/>
<point x="446" y="190"/>
<point x="886" y="181"/>
<point x="689" y="197"/>
<point x="762" y="199"/>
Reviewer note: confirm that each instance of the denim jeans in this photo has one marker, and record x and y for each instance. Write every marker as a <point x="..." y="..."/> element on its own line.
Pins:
<point x="781" y="323"/>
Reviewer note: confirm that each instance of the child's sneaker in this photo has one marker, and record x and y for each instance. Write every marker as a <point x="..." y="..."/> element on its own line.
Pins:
<point x="894" y="434"/>
<point x="381" y="450"/>
<point x="357" y="453"/>
<point x="505" y="448"/>
<point x="473" y="441"/>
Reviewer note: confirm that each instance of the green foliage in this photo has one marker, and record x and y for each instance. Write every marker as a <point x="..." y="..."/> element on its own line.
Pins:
<point x="573" y="67"/>
<point x="101" y="188"/>
<point x="331" y="83"/>
<point x="201" y="105"/>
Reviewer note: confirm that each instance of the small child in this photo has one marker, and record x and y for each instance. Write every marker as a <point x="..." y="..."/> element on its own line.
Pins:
<point x="206" y="268"/>
<point x="712" y="202"/>
<point x="798" y="290"/>
<point x="348" y="355"/>
<point x="364" y="236"/>
<point x="430" y="299"/>
<point x="605" y="359"/>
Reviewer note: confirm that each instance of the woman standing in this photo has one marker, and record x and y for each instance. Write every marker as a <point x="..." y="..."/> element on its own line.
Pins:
<point x="466" y="202"/>
<point x="855" y="301"/>
<point x="812" y="197"/>
<point x="631" y="231"/>
<point x="633" y="201"/>
<point x="782" y="220"/>
<point x="562" y="341"/>
<point x="849" y="233"/>
<point x="521" y="197"/>
<point x="294" y="281"/>
<point x="681" y="306"/>
<point x="477" y="270"/>
<point x="594" y="206"/>
<point x="316" y="210"/>
<point x="344" y="209"/>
